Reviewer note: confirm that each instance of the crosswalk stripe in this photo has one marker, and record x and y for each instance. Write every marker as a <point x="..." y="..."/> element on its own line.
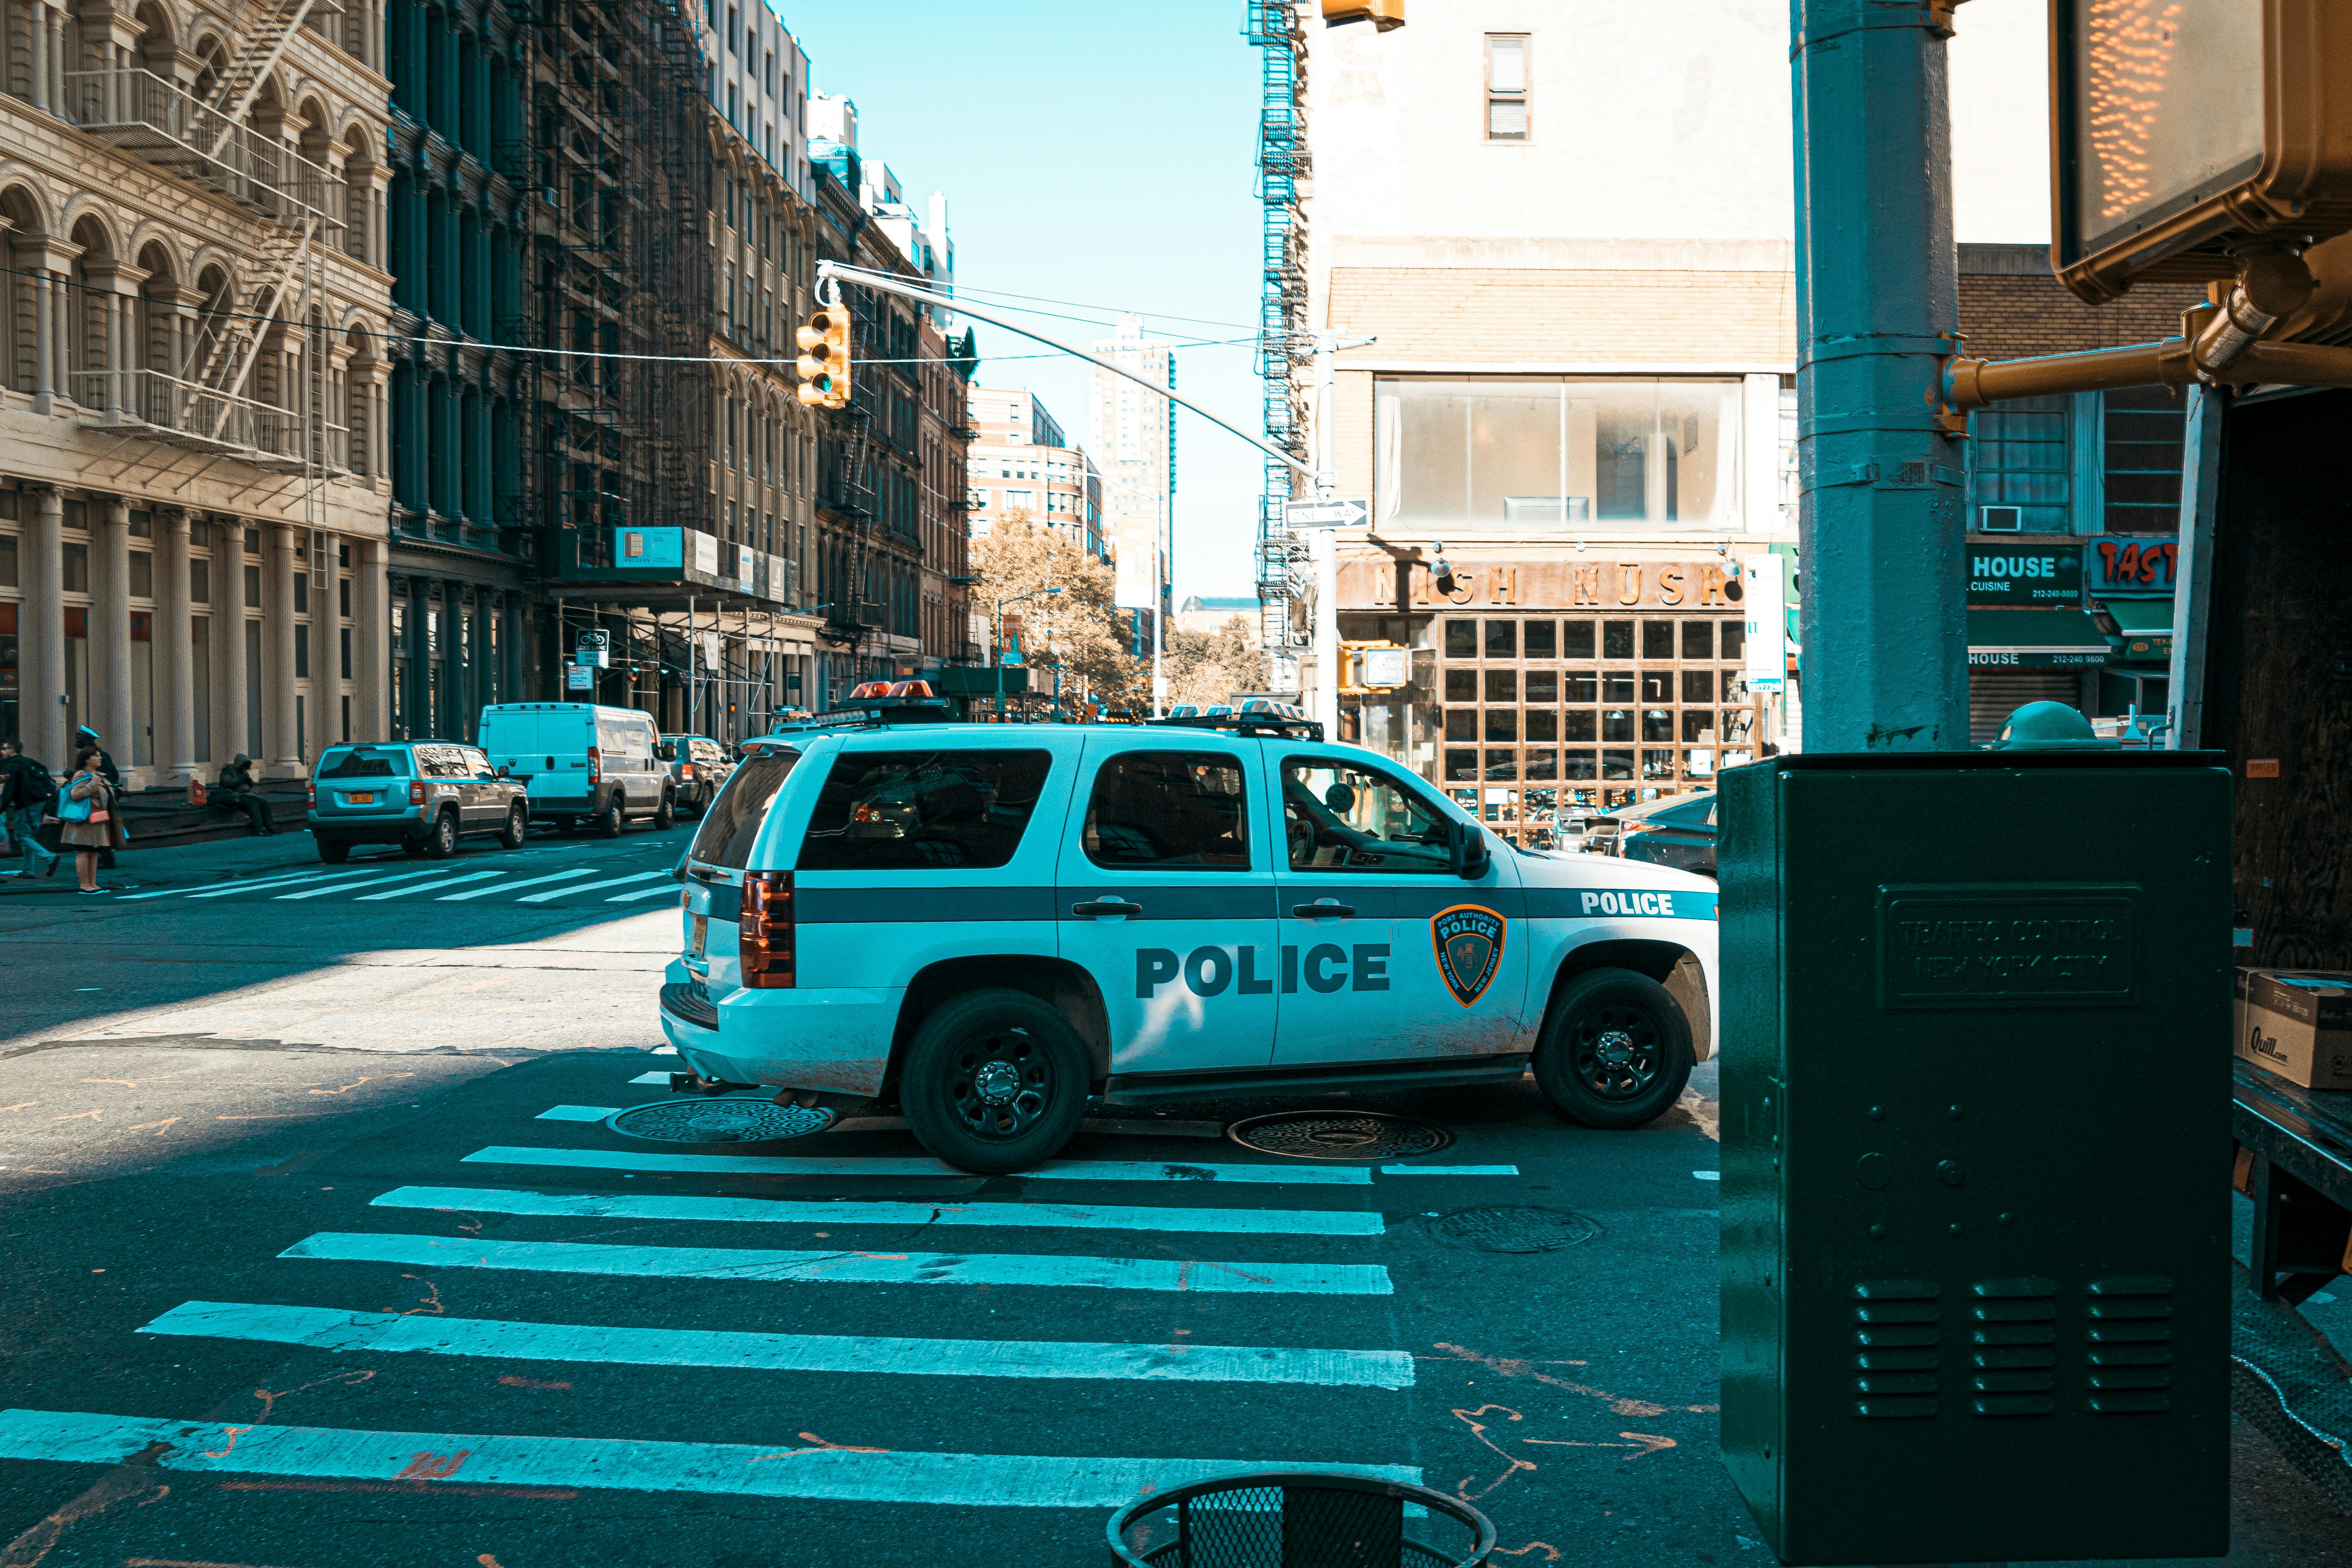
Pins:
<point x="1051" y="1171"/>
<point x="514" y="887"/>
<point x="588" y="886"/>
<point x="576" y="1114"/>
<point x="752" y="1264"/>
<point x="362" y="882"/>
<point x="429" y="887"/>
<point x="662" y="1077"/>
<point x="383" y="1333"/>
<point x="824" y="1471"/>
<point x="247" y="886"/>
<point x="986" y="1216"/>
<point x="1449" y="1170"/>
<point x="640" y="893"/>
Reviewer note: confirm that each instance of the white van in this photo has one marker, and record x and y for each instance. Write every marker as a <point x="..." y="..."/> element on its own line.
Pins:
<point x="584" y="765"/>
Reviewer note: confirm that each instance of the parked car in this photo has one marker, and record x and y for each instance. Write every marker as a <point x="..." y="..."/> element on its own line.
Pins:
<point x="585" y="765"/>
<point x="697" y="766"/>
<point x="1676" y="830"/>
<point x="424" y="795"/>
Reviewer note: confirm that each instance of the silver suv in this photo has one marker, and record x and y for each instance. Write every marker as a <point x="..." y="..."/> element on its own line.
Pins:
<point x="698" y="765"/>
<point x="423" y="795"/>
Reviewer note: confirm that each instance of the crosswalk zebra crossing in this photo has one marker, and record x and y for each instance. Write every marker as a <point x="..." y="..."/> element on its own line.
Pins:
<point x="1327" y="1243"/>
<point x="445" y="883"/>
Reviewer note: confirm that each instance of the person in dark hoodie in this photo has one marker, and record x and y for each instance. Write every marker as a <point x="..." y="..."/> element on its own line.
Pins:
<point x="236" y="792"/>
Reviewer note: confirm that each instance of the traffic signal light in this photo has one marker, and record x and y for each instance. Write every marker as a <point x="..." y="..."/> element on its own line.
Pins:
<point x="1381" y="14"/>
<point x="824" y="358"/>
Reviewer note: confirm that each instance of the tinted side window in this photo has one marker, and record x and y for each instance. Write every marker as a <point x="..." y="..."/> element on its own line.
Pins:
<point x="1169" y="811"/>
<point x="734" y="819"/>
<point x="920" y="811"/>
<point x="1341" y="816"/>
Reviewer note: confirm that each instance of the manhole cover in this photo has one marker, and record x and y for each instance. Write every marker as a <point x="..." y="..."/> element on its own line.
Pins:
<point x="706" y="1120"/>
<point x="1337" y="1135"/>
<point x="1514" y="1229"/>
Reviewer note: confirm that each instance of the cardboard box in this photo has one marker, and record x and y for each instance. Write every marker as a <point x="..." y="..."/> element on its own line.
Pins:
<point x="2296" y="1023"/>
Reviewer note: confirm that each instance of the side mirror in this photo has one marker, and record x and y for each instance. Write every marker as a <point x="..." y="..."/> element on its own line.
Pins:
<point x="1467" y="845"/>
<point x="502" y="771"/>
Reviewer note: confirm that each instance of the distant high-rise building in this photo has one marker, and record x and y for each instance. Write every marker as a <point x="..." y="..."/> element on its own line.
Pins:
<point x="1020" y="461"/>
<point x="1132" y="432"/>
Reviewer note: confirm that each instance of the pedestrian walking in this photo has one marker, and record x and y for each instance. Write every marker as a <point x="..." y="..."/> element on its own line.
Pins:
<point x="86" y="736"/>
<point x="237" y="791"/>
<point x="87" y="812"/>
<point x="28" y="793"/>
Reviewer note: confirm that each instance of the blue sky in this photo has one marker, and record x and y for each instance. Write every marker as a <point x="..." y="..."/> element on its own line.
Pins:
<point x="1092" y="152"/>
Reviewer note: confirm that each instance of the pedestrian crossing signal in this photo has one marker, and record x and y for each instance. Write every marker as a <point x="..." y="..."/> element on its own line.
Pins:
<point x="824" y="359"/>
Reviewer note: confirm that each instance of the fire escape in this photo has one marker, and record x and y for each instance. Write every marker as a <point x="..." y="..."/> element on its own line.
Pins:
<point x="1282" y="159"/>
<point x="207" y="400"/>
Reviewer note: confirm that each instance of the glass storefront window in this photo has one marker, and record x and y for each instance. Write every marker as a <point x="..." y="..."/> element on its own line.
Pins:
<point x="1501" y="639"/>
<point x="1556" y="453"/>
<point x="1616" y="639"/>
<point x="1462" y="640"/>
<point x="1542" y="724"/>
<point x="1579" y="686"/>
<point x="1577" y="644"/>
<point x="1542" y="639"/>
<point x="1502" y="685"/>
<point x="1698" y="639"/>
<point x="1461" y="686"/>
<point x="1543" y="686"/>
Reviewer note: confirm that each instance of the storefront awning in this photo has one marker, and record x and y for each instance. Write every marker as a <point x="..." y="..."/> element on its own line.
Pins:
<point x="2146" y="626"/>
<point x="2036" y="639"/>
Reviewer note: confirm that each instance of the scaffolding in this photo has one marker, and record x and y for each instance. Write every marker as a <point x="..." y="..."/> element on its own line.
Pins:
<point x="1281" y="332"/>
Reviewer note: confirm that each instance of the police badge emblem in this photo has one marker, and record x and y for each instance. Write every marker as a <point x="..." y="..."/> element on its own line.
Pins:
<point x="1469" y="942"/>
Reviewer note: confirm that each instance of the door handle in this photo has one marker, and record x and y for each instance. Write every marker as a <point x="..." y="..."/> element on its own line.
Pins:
<point x="1325" y="910"/>
<point x="1093" y="907"/>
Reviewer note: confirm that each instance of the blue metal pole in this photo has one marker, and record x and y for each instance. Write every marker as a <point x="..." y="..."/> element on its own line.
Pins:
<point x="1884" y="606"/>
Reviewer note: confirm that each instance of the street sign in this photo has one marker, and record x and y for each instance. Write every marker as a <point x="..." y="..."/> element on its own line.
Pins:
<point x="1326" y="514"/>
<point x="592" y="646"/>
<point x="579" y="678"/>
<point x="2180" y="132"/>
<point x="1766" y="581"/>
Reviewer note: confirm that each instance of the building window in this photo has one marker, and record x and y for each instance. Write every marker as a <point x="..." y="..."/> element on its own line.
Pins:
<point x="1533" y="453"/>
<point x="2143" y="428"/>
<point x="2018" y="467"/>
<point x="1506" y="86"/>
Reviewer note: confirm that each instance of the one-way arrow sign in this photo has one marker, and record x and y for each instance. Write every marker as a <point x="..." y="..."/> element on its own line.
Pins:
<point x="1326" y="514"/>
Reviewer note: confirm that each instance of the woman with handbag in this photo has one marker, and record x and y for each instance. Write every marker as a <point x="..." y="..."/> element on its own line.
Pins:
<point x="87" y="814"/>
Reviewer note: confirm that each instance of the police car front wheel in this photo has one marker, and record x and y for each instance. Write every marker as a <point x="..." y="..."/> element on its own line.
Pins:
<point x="994" y="1081"/>
<point x="1617" y="1051"/>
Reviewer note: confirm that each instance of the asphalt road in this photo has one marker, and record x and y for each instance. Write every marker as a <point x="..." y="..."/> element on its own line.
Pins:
<point x="320" y="1254"/>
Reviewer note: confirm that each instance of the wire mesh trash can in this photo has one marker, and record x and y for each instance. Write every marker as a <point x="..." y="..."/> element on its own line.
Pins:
<point x="1300" y="1518"/>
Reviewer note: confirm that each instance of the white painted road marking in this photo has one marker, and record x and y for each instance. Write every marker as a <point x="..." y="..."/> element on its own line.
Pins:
<point x="515" y="887"/>
<point x="574" y="1113"/>
<point x="640" y="893"/>
<point x="1709" y="1176"/>
<point x="780" y="1211"/>
<point x="286" y="879"/>
<point x="661" y="1078"/>
<point x="588" y="886"/>
<point x="848" y="1268"/>
<point x="825" y="1470"/>
<point x="1051" y="1171"/>
<point x="1449" y="1170"/>
<point x="381" y="1333"/>
<point x="364" y="881"/>
<point x="430" y="887"/>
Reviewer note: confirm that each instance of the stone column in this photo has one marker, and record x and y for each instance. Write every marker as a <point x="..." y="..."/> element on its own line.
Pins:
<point x="175" y="665"/>
<point x="120" y="283"/>
<point x="43" y="648"/>
<point x="372" y="632"/>
<point x="228" y="642"/>
<point x="39" y="27"/>
<point x="110" y="630"/>
<point x="277" y="688"/>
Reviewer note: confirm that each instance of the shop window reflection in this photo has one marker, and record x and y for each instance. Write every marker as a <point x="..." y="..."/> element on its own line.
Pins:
<point x="1543" y="686"/>
<point x="1616" y="639"/>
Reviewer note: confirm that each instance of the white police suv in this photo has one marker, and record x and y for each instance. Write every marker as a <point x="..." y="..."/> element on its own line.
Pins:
<point x="994" y="925"/>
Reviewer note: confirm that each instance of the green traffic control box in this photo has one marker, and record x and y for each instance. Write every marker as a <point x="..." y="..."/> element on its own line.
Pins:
<point x="1976" y="1145"/>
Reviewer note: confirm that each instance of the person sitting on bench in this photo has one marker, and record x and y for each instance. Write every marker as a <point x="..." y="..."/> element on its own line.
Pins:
<point x="236" y="792"/>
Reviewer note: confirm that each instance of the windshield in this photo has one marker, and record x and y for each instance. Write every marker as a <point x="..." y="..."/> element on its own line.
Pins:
<point x="733" y="821"/>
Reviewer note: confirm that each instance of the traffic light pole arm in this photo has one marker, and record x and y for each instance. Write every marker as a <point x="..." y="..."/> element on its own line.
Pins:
<point x="882" y="282"/>
<point x="1971" y="384"/>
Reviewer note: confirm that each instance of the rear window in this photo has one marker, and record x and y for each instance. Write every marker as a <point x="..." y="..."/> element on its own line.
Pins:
<point x="921" y="811"/>
<point x="364" y="766"/>
<point x="733" y="820"/>
<point x="1169" y="811"/>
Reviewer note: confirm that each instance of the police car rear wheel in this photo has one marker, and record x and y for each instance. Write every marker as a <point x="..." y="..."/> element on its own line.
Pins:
<point x="995" y="1083"/>
<point x="1617" y="1051"/>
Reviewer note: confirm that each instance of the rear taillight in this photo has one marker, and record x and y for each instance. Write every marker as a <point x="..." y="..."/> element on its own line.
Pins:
<point x="416" y="792"/>
<point x="596" y="764"/>
<point x="766" y="940"/>
<point x="313" y="792"/>
<point x="686" y="770"/>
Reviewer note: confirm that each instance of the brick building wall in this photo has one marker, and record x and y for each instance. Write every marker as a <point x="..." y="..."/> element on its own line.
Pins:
<point x="1501" y="316"/>
<point x="2011" y="308"/>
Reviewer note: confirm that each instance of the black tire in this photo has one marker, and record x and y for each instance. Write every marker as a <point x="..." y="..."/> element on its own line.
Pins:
<point x="665" y="814"/>
<point x="567" y="826"/>
<point x="411" y="848"/>
<point x="995" y="1122"/>
<point x="334" y="851"/>
<point x="1616" y="1051"/>
<point x="511" y="836"/>
<point x="441" y="839"/>
<point x="608" y="821"/>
